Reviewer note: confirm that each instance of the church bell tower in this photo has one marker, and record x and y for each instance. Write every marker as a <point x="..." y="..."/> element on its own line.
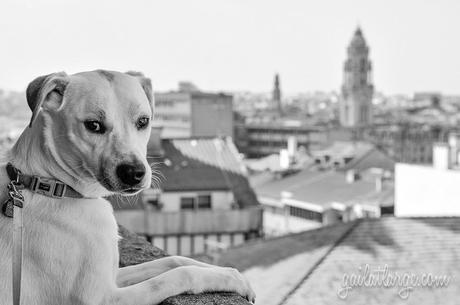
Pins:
<point x="357" y="88"/>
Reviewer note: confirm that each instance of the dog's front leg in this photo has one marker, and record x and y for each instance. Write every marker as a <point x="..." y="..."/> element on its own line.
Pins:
<point x="137" y="273"/>
<point x="186" y="279"/>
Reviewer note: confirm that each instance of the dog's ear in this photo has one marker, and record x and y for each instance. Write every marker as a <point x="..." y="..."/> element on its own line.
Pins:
<point x="146" y="84"/>
<point x="46" y="92"/>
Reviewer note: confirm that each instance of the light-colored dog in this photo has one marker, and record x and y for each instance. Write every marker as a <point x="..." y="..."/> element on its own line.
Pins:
<point x="90" y="130"/>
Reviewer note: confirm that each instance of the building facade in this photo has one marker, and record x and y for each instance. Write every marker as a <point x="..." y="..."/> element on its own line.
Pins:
<point x="356" y="183"/>
<point x="407" y="142"/>
<point x="263" y="139"/>
<point x="357" y="88"/>
<point x="194" y="114"/>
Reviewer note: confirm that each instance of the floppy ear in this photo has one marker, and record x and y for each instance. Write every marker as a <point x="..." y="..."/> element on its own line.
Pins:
<point x="146" y="84"/>
<point x="46" y="92"/>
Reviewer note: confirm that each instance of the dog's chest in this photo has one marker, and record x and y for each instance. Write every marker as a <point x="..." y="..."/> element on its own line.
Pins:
<point x="69" y="245"/>
<point x="79" y="232"/>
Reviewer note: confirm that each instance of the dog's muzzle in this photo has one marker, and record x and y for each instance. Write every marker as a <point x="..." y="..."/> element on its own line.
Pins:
<point x="130" y="174"/>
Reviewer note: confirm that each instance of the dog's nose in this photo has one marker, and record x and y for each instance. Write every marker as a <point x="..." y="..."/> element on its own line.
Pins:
<point x="130" y="174"/>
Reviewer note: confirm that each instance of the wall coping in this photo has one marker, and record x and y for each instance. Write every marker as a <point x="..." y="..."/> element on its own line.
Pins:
<point x="135" y="250"/>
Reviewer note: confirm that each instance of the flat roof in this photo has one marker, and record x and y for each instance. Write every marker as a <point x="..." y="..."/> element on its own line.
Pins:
<point x="316" y="187"/>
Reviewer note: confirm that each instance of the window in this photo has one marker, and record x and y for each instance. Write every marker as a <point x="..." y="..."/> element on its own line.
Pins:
<point x="204" y="201"/>
<point x="195" y="203"/>
<point x="305" y="214"/>
<point x="153" y="201"/>
<point x="187" y="203"/>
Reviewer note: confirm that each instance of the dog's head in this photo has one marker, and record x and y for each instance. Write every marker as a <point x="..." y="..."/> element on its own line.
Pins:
<point x="96" y="126"/>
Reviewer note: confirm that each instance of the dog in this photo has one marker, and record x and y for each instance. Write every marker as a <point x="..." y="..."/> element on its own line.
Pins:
<point x="90" y="131"/>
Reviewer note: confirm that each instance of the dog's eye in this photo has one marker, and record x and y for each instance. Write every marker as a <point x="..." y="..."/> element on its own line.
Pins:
<point x="142" y="122"/>
<point x="94" y="126"/>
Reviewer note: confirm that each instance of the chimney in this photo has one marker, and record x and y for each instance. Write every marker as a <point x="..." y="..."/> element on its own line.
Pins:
<point x="292" y="146"/>
<point x="378" y="184"/>
<point x="284" y="159"/>
<point x="454" y="145"/>
<point x="441" y="156"/>
<point x="351" y="176"/>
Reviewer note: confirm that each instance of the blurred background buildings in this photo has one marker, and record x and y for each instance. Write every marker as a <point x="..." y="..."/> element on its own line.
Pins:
<point x="284" y="163"/>
<point x="324" y="172"/>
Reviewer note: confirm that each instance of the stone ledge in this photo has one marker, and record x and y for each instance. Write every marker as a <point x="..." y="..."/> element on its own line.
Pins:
<point x="135" y="250"/>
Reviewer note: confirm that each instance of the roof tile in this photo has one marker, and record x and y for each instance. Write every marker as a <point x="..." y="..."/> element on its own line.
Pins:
<point x="278" y="267"/>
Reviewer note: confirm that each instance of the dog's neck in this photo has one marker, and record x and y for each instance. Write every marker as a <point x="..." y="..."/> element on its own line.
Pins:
<point x="33" y="156"/>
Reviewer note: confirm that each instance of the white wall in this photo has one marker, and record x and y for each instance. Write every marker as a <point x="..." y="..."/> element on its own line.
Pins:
<point x="276" y="224"/>
<point x="426" y="191"/>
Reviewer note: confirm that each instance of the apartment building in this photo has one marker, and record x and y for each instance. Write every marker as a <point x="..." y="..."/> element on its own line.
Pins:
<point x="190" y="113"/>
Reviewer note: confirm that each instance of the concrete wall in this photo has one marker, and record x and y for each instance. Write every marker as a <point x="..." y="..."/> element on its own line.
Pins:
<point x="426" y="191"/>
<point x="153" y="223"/>
<point x="212" y="115"/>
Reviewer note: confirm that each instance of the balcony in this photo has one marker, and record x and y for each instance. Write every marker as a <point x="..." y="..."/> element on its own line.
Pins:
<point x="155" y="223"/>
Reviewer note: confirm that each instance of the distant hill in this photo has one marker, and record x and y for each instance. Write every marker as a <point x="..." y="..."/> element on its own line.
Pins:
<point x="14" y="111"/>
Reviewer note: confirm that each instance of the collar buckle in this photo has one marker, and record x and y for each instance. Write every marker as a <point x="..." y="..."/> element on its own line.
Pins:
<point x="48" y="187"/>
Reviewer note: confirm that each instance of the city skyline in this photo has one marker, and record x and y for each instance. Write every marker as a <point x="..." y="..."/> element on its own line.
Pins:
<point x="235" y="46"/>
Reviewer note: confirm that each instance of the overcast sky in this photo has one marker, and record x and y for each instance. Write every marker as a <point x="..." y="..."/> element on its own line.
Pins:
<point x="234" y="44"/>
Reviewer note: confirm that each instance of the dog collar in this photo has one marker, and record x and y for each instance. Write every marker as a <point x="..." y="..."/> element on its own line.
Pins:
<point x="40" y="185"/>
<point x="12" y="207"/>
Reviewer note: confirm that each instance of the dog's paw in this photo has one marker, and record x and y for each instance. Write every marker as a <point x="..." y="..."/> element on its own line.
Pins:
<point x="241" y="284"/>
<point x="202" y="279"/>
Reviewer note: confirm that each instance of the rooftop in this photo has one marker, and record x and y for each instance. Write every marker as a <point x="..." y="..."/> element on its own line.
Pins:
<point x="372" y="157"/>
<point x="287" y="125"/>
<point x="343" y="149"/>
<point x="193" y="94"/>
<point x="309" y="267"/>
<point x="198" y="164"/>
<point x="316" y="187"/>
<point x="205" y="164"/>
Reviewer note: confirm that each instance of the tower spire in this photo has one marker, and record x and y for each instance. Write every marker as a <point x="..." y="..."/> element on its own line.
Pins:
<point x="358" y="31"/>
<point x="276" y="95"/>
